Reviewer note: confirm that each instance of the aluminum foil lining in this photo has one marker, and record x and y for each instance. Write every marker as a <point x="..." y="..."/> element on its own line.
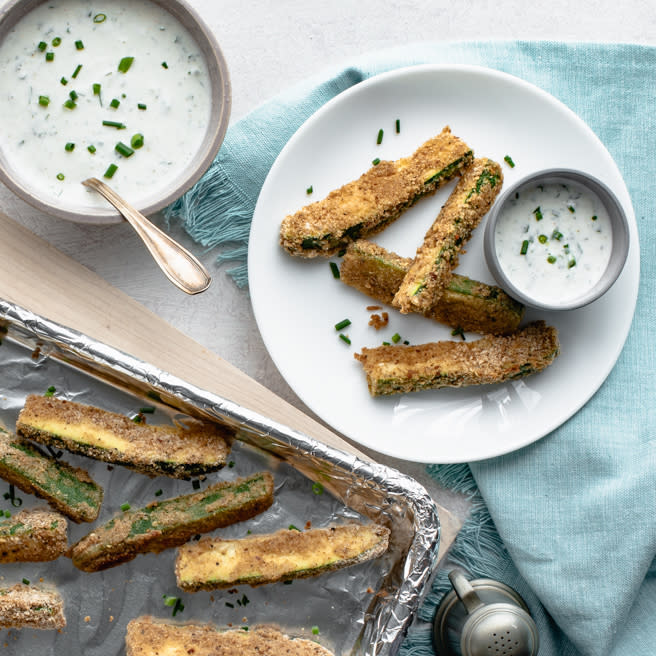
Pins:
<point x="361" y="611"/>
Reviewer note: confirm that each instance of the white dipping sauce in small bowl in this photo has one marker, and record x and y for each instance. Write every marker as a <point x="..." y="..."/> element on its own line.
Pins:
<point x="81" y="81"/>
<point x="556" y="240"/>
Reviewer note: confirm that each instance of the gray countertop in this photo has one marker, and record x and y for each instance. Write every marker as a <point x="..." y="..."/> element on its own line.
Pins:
<point x="270" y="46"/>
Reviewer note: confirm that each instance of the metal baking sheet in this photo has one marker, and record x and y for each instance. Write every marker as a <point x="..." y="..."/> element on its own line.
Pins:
<point x="361" y="611"/>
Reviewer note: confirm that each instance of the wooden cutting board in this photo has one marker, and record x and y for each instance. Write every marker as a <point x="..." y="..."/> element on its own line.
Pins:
<point x="38" y="277"/>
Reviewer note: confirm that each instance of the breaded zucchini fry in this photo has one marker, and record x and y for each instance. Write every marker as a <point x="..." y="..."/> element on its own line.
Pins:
<point x="465" y="303"/>
<point x="287" y="554"/>
<point x="367" y="205"/>
<point x="169" y="523"/>
<point x="153" y="450"/>
<point x="491" y="359"/>
<point x="33" y="536"/>
<point x="149" y="637"/>
<point x="28" y="606"/>
<point x="69" y="490"/>
<point x="431" y="269"/>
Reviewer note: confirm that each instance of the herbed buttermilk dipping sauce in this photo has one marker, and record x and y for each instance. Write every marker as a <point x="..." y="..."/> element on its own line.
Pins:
<point x="118" y="90"/>
<point x="553" y="241"/>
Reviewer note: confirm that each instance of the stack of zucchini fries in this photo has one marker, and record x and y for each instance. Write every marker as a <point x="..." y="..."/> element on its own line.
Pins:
<point x="342" y="223"/>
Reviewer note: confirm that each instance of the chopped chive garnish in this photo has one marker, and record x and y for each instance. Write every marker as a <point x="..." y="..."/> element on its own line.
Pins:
<point x="26" y="581"/>
<point x="114" y="124"/>
<point x="315" y="630"/>
<point x="345" y="339"/>
<point x="50" y="56"/>
<point x="111" y="169"/>
<point x="137" y="141"/>
<point x="141" y="106"/>
<point x="398" y="126"/>
<point x="509" y="160"/>
<point x="56" y="42"/>
<point x="63" y="81"/>
<point x="158" y="493"/>
<point x="387" y="343"/>
<point x="77" y="70"/>
<point x="42" y="46"/>
<point x="376" y="161"/>
<point x="229" y="605"/>
<point x="147" y="409"/>
<point x="124" y="150"/>
<point x="571" y="208"/>
<point x="195" y="484"/>
<point x="294" y="528"/>
<point x="571" y="263"/>
<point x="60" y="176"/>
<point x="342" y="324"/>
<point x="335" y="269"/>
<point x="538" y="213"/>
<point x="79" y="45"/>
<point x="50" y="391"/>
<point x="99" y="18"/>
<point x="458" y="331"/>
<point x="557" y="235"/>
<point x="165" y="65"/>
<point x="138" y="419"/>
<point x="70" y="104"/>
<point x="96" y="89"/>
<point x="73" y="95"/>
<point x="44" y="101"/>
<point x="309" y="190"/>
<point x="178" y="608"/>
<point x="379" y="139"/>
<point x="124" y="64"/>
<point x="91" y="149"/>
<point x="231" y="464"/>
<point x="396" y="338"/>
<point x="594" y="217"/>
<point x="551" y="259"/>
<point x="125" y="507"/>
<point x="524" y="247"/>
<point x="69" y="147"/>
<point x="169" y="600"/>
<point x="115" y="103"/>
<point x="542" y="239"/>
<point x="317" y="488"/>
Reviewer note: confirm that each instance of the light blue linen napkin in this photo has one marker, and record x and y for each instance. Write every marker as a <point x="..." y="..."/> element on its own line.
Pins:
<point x="570" y="521"/>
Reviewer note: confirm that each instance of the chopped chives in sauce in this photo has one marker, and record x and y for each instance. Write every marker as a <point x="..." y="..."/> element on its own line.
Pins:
<point x="141" y="106"/>
<point x="79" y="45"/>
<point x="44" y="101"/>
<point x="63" y="81"/>
<point x="509" y="160"/>
<point x="396" y="338"/>
<point x="137" y="141"/>
<point x="376" y="161"/>
<point x="125" y="507"/>
<point x="342" y="324"/>
<point x="124" y="150"/>
<point x="60" y="176"/>
<point x="309" y="190"/>
<point x="56" y="42"/>
<point x="379" y="139"/>
<point x="115" y="103"/>
<point x="42" y="46"/>
<point x="111" y="169"/>
<point x="345" y="339"/>
<point x="69" y="147"/>
<point x="335" y="269"/>
<point x="523" y="250"/>
<point x="50" y="56"/>
<point x="164" y="65"/>
<point x="114" y="124"/>
<point x="124" y="64"/>
<point x="70" y="104"/>
<point x="398" y="126"/>
<point x="99" y="18"/>
<point x="91" y="149"/>
<point x="77" y="70"/>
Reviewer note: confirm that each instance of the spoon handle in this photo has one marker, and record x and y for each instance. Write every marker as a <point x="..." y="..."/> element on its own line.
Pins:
<point x="178" y="264"/>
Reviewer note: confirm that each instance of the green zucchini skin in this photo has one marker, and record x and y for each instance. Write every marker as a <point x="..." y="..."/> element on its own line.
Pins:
<point x="366" y="206"/>
<point x="164" y="524"/>
<point x="154" y="450"/>
<point x="69" y="490"/>
<point x="33" y="536"/>
<point x="431" y="269"/>
<point x="491" y="359"/>
<point x="466" y="304"/>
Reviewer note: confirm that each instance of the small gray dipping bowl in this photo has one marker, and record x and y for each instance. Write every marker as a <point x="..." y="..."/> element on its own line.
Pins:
<point x="221" y="99"/>
<point x="620" y="237"/>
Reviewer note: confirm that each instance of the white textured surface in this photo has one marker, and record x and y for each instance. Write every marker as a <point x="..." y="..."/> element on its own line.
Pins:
<point x="269" y="45"/>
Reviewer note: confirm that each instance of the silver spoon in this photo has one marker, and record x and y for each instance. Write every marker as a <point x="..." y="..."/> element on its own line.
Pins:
<point x="178" y="264"/>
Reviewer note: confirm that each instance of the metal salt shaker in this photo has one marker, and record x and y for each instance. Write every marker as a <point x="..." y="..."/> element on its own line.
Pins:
<point x="483" y="617"/>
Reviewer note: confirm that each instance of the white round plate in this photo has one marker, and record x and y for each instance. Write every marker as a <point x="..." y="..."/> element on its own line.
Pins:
<point x="297" y="301"/>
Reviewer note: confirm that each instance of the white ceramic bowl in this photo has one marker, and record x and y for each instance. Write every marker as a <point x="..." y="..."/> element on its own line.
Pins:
<point x="154" y="198"/>
<point x="619" y="249"/>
